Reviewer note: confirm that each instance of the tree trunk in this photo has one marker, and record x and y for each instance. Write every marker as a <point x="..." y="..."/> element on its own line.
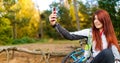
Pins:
<point x="40" y="30"/>
<point x="76" y="14"/>
<point x="14" y="34"/>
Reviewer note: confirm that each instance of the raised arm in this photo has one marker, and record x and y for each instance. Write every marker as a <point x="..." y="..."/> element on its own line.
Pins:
<point x="66" y="34"/>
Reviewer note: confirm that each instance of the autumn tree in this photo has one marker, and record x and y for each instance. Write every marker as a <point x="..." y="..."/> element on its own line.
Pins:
<point x="18" y="18"/>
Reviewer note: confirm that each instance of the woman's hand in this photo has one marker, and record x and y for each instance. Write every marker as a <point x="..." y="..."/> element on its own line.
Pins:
<point x="53" y="17"/>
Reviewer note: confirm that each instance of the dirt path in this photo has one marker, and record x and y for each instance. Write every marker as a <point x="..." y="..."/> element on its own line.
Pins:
<point x="49" y="47"/>
<point x="28" y="58"/>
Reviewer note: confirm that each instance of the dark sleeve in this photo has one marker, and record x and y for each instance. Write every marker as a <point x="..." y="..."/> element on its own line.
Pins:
<point x="66" y="33"/>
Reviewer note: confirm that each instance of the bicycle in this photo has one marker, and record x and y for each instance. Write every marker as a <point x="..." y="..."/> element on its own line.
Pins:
<point x="77" y="55"/>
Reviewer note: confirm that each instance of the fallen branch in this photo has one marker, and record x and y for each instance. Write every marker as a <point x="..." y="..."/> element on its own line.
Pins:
<point x="36" y="52"/>
<point x="45" y="55"/>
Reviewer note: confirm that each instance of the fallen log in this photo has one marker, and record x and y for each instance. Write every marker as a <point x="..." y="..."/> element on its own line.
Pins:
<point x="36" y="52"/>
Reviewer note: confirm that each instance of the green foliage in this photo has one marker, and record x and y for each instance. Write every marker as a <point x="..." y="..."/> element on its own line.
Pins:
<point x="5" y="31"/>
<point x="109" y="5"/>
<point x="65" y="19"/>
<point x="4" y="40"/>
<point x="23" y="40"/>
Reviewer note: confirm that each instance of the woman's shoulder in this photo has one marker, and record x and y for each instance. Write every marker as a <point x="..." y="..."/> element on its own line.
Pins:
<point x="84" y="32"/>
<point x="88" y="30"/>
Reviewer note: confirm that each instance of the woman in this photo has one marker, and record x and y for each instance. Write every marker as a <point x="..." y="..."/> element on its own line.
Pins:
<point x="105" y="48"/>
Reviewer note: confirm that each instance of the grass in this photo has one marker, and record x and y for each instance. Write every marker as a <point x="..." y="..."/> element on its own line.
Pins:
<point x="52" y="41"/>
<point x="48" y="41"/>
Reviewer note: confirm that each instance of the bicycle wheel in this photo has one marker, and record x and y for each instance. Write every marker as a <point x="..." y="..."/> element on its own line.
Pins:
<point x="68" y="59"/>
<point x="75" y="56"/>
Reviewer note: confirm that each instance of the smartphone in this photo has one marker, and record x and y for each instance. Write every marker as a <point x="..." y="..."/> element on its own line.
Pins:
<point x="54" y="10"/>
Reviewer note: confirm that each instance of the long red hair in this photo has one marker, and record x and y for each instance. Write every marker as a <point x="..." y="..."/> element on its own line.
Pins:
<point x="109" y="33"/>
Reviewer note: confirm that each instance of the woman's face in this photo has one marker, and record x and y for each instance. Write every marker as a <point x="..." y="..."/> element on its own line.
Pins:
<point x="97" y="23"/>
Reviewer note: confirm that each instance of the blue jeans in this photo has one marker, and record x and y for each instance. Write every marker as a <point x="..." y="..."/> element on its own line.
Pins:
<point x="105" y="56"/>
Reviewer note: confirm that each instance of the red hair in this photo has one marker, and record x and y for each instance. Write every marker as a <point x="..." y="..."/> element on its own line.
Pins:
<point x="109" y="33"/>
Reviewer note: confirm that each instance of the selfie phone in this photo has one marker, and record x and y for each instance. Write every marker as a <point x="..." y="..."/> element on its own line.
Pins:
<point x="54" y="10"/>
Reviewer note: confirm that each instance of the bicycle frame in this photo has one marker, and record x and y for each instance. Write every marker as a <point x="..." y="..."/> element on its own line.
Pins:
<point x="76" y="56"/>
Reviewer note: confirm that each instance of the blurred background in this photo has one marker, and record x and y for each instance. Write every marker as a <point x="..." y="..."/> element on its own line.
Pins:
<point x="26" y="21"/>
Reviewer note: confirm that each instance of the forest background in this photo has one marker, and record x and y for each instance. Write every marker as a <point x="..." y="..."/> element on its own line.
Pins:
<point x="22" y="22"/>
